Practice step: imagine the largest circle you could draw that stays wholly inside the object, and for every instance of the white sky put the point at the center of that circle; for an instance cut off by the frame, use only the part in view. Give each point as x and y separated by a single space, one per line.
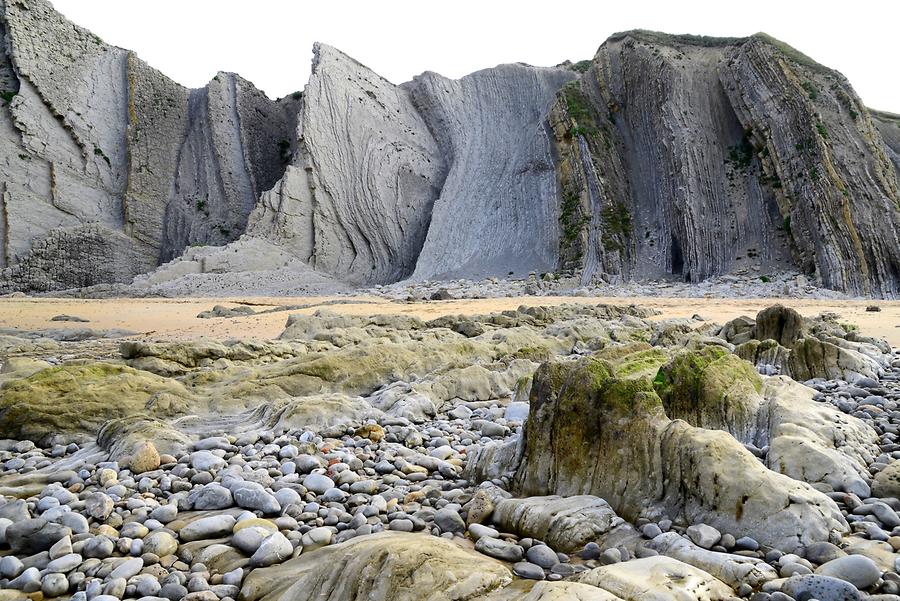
269 41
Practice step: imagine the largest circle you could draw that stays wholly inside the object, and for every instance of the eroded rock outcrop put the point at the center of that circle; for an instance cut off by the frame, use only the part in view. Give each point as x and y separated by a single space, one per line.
781 341
589 432
382 566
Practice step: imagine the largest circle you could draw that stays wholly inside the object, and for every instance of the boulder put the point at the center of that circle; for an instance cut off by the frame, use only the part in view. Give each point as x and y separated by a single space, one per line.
565 523
657 578
380 567
781 324
592 433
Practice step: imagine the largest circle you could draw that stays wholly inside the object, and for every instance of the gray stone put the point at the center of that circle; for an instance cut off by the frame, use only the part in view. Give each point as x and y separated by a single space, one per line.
28 581
173 591
318 483
251 495
206 461
822 552
858 570
524 569
99 547
206 528
160 543
248 539
54 585
542 555
98 505
449 520
274 549
34 535
499 549
10 566
128 568
211 496
65 564
703 536
165 513
822 588
317 537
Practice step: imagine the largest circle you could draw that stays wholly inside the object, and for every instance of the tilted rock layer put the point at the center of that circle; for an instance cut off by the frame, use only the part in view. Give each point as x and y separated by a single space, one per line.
664 156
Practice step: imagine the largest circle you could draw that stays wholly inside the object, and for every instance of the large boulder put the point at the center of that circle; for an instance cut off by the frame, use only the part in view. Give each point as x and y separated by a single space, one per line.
564 523
591 433
779 323
658 578
808 441
814 358
380 567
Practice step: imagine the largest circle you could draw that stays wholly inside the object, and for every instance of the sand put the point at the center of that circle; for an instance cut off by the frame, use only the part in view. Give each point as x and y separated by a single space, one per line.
176 319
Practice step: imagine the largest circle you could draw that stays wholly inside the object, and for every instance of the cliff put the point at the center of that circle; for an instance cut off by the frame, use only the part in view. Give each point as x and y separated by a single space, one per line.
662 157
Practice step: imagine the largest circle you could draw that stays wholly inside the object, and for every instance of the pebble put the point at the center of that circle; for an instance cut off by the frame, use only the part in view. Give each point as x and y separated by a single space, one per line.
317 537
31 536
703 536
205 461
542 555
208 527
127 569
477 531
318 483
821 588
54 585
275 549
524 569
160 543
858 570
499 549
449 520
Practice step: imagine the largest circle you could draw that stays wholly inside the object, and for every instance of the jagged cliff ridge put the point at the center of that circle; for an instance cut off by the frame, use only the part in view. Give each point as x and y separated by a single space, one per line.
665 155
108 166
695 156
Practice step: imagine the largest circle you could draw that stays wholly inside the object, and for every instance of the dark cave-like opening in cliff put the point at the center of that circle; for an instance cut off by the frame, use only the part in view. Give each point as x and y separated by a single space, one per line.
677 257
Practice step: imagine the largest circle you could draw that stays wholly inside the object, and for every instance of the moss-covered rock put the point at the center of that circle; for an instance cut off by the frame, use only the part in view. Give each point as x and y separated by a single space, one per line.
635 359
590 432
712 389
77 398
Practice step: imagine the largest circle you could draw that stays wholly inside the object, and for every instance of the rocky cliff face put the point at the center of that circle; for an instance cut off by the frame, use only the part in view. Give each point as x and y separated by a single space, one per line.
696 156
664 156
109 166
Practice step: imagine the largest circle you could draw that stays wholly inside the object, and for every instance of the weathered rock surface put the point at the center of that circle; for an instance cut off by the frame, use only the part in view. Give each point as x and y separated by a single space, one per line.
781 341
382 566
754 151
496 212
630 453
657 579
111 167
665 156
564 523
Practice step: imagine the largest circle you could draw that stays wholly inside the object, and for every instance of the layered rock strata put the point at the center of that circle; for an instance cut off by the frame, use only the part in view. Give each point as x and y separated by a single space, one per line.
676 157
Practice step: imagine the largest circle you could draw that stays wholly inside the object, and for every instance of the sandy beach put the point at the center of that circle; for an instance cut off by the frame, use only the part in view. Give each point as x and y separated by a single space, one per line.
176 319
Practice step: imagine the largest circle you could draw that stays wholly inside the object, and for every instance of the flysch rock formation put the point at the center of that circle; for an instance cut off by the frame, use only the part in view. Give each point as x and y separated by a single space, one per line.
673 157
109 166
